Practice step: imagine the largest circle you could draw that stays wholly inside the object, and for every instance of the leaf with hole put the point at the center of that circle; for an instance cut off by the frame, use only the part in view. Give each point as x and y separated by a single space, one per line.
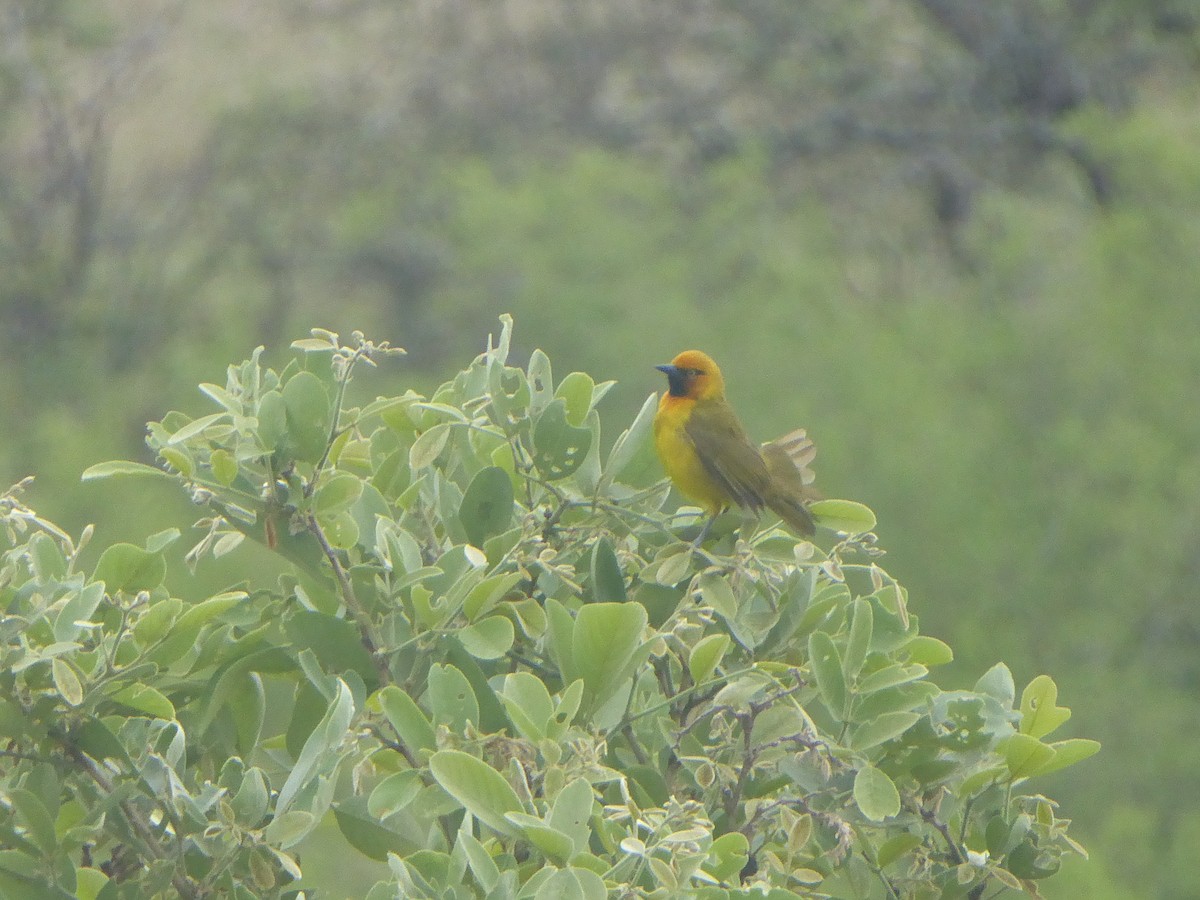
1040 712
559 447
452 699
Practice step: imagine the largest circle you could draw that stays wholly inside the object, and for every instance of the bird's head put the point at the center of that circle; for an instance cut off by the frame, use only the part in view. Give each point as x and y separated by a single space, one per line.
694 375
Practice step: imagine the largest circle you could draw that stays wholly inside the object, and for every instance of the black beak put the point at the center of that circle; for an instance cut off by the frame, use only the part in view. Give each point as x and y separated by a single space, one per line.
676 382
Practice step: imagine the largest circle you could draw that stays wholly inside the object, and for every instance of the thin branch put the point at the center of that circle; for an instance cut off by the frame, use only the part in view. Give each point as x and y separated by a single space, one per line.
183 884
366 628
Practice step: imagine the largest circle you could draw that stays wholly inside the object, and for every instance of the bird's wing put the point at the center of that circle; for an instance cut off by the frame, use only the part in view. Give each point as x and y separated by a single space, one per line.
727 454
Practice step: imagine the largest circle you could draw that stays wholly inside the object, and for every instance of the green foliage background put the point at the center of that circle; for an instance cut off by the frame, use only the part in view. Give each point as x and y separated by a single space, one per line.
1012 395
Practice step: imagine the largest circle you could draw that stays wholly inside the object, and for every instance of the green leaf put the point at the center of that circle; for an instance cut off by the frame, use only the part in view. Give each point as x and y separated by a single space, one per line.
337 643
882 728
307 406
1003 837
76 612
247 705
540 380
365 833
161 540
36 818
66 682
483 866
998 682
289 829
123 468
859 642
317 754
337 494
484 596
46 558
510 395
571 813
426 448
572 883
488 638
272 421
606 638
394 793
715 592
249 804
900 698
875 794
669 570
1039 713
144 698
1024 755
452 699
929 651
527 703
561 629
559 447
607 582
222 397
895 847
156 620
125 567
827 667
89 883
487 505
478 787
890 676
706 656
550 841
728 856
843 515
576 393
491 712
1067 753
195 427
409 722
633 459
96 739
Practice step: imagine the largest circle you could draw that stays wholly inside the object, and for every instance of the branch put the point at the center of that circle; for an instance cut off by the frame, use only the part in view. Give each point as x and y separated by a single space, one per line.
366 628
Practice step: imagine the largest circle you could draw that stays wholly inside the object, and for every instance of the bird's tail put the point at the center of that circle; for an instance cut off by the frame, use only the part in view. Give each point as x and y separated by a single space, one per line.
787 460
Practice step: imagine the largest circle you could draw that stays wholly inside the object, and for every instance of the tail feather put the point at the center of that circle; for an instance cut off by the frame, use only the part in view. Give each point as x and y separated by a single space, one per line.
787 460
799 449
794 512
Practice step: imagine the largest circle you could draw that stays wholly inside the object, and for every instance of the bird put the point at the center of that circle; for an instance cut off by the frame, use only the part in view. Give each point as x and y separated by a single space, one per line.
709 457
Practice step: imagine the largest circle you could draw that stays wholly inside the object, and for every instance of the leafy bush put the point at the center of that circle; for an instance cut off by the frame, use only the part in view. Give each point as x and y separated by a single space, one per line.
498 664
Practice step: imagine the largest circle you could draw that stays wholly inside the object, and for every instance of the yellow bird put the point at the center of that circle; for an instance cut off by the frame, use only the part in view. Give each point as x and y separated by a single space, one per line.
709 457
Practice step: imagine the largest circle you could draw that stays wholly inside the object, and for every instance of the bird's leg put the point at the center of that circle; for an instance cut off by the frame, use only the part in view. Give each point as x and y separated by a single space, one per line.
708 524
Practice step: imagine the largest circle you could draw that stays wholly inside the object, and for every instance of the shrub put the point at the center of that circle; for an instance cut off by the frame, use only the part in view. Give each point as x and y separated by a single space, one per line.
498 664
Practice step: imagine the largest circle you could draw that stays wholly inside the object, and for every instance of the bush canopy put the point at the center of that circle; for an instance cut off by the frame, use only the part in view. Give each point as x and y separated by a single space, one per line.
495 658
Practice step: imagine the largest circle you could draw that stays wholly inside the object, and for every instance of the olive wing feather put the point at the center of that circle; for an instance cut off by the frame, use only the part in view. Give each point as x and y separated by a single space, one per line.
727 454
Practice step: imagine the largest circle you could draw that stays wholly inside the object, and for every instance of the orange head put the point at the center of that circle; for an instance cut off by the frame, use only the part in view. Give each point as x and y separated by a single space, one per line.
694 375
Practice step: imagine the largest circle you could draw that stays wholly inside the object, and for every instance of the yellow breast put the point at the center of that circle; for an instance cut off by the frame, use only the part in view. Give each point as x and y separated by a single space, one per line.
678 455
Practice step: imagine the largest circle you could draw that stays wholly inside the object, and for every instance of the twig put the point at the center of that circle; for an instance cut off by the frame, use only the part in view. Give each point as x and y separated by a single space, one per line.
366 628
182 883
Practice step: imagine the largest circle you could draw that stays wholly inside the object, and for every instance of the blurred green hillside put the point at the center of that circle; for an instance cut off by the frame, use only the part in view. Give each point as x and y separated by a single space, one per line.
957 241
